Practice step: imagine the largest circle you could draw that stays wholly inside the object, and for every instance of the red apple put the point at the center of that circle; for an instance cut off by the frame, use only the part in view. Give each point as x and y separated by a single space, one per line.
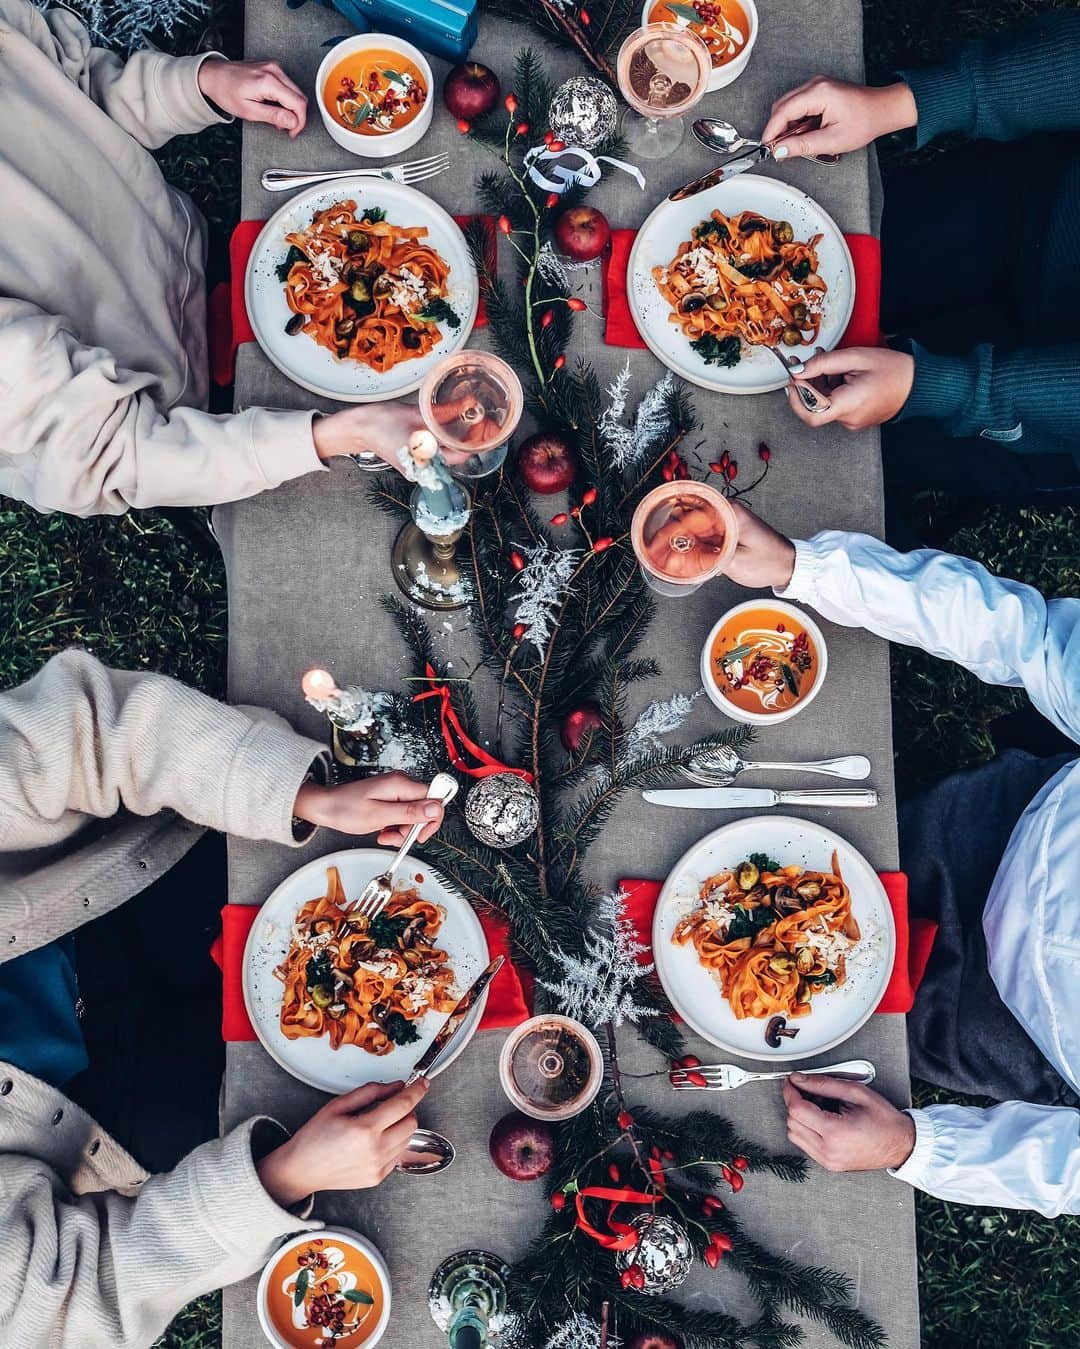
582 233
471 91
653 1339
522 1148
548 463
577 724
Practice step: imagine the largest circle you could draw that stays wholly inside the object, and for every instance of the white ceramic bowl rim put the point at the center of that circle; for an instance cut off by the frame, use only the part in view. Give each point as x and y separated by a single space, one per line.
763 718
346 1234
358 42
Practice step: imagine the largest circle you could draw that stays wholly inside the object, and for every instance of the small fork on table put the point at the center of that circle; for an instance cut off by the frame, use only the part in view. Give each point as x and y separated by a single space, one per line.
726 1076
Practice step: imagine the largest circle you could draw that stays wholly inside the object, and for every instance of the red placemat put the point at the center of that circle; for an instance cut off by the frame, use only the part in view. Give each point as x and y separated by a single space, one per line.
914 938
863 330
228 326
507 1004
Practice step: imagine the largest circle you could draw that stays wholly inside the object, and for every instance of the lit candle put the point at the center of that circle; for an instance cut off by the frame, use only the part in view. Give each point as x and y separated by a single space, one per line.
319 684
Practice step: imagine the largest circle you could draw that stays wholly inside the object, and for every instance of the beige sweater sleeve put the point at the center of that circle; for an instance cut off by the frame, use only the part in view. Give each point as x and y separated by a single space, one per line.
80 740
80 434
104 1269
151 95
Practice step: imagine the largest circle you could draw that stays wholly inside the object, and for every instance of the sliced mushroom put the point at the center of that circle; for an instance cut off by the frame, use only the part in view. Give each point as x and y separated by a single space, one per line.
691 302
781 964
808 889
295 324
778 1029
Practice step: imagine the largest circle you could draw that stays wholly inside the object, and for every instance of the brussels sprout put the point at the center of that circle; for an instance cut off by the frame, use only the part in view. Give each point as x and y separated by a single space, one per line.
783 232
747 875
791 337
358 239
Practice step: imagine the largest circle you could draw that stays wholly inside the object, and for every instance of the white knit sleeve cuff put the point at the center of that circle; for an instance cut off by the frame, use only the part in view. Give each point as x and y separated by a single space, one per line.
269 768
177 85
804 576
283 443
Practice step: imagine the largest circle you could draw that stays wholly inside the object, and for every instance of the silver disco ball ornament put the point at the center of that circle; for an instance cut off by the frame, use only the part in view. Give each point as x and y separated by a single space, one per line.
502 810
663 1253
583 112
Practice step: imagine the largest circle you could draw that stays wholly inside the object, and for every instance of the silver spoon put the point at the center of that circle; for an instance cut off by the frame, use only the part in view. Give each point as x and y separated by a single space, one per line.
427 1153
723 764
807 395
724 139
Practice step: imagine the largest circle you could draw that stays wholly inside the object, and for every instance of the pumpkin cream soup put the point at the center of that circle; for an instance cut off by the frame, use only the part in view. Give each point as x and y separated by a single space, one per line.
763 661
374 92
722 25
325 1292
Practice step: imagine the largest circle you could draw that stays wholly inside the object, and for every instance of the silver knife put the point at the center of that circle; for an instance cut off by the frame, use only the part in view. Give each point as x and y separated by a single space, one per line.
736 164
454 1021
750 798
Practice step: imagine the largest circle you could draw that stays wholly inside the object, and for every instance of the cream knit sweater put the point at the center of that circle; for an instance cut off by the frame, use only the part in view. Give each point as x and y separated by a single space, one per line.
94 1251
103 373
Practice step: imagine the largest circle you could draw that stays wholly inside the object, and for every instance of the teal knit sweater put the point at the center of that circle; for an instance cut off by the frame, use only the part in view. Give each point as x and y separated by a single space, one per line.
1006 87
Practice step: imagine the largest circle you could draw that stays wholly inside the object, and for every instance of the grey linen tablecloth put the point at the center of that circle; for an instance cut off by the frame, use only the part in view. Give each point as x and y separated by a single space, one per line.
306 567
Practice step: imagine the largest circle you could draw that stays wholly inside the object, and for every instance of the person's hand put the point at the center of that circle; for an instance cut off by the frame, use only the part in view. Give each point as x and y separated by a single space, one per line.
869 1134
763 557
866 386
255 91
391 803
373 428
852 115
352 1143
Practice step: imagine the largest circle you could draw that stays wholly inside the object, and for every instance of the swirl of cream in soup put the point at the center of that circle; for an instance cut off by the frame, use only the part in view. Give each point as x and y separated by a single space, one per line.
346 1281
766 642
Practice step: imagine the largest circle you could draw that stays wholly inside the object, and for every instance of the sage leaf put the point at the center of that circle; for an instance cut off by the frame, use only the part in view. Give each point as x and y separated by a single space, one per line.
358 1295
303 1279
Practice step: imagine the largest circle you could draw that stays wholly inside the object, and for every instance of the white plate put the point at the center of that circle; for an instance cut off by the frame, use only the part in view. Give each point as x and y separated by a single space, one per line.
672 221
695 994
300 357
312 1060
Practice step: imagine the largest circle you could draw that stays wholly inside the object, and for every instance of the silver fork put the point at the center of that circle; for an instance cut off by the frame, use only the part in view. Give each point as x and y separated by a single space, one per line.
808 396
288 180
377 893
726 1076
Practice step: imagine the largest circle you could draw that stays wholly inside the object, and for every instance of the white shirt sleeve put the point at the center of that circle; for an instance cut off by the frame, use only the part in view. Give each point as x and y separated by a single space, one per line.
1014 1155
1002 631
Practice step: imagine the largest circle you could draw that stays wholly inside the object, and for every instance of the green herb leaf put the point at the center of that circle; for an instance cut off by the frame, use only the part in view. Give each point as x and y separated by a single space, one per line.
361 113
319 971
789 678
687 12
710 226
736 653
303 1279
400 1029
726 351
825 978
386 929
358 1295
438 311
749 922
395 76
374 215
800 270
292 257
764 862
753 270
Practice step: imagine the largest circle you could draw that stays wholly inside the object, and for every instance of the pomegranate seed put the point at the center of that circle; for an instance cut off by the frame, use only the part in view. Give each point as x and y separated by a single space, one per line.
780 627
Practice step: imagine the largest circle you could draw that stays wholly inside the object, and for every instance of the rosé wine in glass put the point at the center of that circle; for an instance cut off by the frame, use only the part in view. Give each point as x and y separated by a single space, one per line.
683 534
472 403
551 1067
663 72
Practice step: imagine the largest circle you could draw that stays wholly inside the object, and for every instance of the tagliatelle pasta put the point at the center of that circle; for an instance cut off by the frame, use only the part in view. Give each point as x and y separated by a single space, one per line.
365 289
364 982
773 936
743 279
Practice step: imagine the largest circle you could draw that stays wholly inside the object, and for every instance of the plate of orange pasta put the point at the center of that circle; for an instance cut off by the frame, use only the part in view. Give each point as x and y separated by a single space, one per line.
748 264
357 288
340 1000
774 938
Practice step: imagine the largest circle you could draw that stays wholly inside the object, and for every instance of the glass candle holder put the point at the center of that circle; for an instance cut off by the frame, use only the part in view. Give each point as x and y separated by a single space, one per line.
683 534
471 402
551 1067
663 71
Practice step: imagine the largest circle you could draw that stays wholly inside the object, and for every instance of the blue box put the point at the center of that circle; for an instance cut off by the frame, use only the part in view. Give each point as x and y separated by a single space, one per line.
445 28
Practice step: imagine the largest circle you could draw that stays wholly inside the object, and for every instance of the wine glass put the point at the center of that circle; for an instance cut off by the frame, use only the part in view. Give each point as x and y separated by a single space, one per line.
683 534
471 402
663 72
551 1067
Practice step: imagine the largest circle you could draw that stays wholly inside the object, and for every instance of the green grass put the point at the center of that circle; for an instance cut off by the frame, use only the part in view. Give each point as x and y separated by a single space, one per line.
141 594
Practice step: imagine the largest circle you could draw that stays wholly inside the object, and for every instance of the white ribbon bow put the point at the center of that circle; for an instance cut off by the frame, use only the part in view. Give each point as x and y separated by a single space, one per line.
562 178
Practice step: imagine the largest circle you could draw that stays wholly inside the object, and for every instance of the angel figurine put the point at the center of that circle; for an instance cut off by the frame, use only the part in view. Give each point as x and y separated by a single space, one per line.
440 506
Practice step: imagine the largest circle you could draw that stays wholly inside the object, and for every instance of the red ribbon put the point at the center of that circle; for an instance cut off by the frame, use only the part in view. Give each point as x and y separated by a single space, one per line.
620 1236
456 740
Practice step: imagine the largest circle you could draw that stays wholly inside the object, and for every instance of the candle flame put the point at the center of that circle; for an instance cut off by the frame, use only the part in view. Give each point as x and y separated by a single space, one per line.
318 684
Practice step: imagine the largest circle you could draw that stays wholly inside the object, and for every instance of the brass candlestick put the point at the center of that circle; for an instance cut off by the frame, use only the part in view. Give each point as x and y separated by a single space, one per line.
424 558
